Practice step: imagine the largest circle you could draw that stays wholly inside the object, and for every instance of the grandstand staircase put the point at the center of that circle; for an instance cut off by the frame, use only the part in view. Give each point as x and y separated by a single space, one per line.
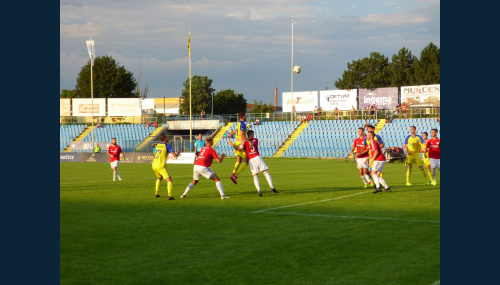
221 132
80 137
291 139
151 137
379 126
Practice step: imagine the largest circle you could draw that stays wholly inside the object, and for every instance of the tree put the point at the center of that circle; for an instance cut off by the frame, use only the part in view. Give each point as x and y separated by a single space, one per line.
258 107
427 68
401 68
109 80
228 102
65 93
369 72
201 95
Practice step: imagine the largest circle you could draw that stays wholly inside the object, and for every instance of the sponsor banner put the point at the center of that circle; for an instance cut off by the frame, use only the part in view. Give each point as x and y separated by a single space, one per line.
342 99
183 158
91 50
382 98
69 156
124 107
65 107
96 157
421 95
148 104
83 107
88 146
197 125
303 101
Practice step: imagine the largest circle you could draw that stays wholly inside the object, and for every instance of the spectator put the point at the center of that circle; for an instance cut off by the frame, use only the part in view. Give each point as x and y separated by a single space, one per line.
404 107
98 125
353 112
438 119
232 133
97 148
364 112
257 121
373 111
309 117
320 111
398 109
336 110
294 111
388 119
202 114
316 110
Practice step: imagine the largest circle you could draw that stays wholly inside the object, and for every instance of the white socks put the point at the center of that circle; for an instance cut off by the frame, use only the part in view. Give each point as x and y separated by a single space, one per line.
382 181
190 186
367 178
256 182
375 179
115 173
363 179
219 187
269 180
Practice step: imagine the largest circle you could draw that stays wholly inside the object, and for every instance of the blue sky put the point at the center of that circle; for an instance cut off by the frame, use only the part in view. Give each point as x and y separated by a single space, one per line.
241 45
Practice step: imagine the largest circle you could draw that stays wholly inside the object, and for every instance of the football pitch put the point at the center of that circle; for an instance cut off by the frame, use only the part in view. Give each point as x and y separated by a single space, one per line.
322 228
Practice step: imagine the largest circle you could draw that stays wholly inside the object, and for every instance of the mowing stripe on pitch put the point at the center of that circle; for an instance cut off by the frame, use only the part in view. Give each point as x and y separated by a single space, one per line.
353 217
314 202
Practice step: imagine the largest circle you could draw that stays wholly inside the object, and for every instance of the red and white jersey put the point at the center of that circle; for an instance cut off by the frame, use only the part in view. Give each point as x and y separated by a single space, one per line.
252 151
205 157
434 146
115 151
374 146
359 144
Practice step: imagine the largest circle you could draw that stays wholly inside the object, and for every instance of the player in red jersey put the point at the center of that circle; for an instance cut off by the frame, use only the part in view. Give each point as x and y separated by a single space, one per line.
361 163
202 168
255 161
114 152
433 147
378 163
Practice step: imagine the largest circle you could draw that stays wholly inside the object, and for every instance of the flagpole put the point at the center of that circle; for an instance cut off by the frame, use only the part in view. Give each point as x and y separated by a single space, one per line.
92 95
190 109
291 114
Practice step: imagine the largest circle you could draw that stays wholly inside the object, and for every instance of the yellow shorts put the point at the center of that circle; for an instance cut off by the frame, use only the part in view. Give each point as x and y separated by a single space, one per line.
161 172
413 161
242 152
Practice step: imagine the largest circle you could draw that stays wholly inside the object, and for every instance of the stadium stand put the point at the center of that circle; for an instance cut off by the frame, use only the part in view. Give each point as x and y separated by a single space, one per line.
329 138
67 133
127 136
395 133
271 136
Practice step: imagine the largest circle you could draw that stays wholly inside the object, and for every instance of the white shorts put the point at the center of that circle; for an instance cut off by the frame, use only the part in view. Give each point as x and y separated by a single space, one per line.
361 163
114 164
378 165
435 163
199 171
257 164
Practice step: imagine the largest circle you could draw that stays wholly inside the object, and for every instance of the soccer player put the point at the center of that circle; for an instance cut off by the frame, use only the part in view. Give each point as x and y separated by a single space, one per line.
199 143
160 157
412 146
256 162
202 168
378 163
425 155
360 158
377 138
114 152
241 158
433 147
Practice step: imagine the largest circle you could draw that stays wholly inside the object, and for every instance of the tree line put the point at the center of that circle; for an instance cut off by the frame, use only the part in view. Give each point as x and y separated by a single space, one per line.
403 70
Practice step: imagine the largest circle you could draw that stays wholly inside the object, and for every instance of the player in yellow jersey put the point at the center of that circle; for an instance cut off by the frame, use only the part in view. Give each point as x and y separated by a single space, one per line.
412 146
241 157
160 158
425 156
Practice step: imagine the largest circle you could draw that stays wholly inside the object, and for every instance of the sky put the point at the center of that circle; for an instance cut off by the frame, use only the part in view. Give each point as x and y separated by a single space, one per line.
245 46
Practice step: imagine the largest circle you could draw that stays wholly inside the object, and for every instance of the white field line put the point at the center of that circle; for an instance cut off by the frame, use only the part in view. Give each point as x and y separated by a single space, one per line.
352 217
437 282
314 202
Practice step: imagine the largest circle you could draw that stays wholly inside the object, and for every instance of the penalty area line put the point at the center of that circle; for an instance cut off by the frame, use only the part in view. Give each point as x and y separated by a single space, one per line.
314 202
353 217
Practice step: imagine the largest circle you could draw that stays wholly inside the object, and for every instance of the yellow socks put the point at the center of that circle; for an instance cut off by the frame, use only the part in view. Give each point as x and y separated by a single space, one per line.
429 172
170 186
408 175
157 186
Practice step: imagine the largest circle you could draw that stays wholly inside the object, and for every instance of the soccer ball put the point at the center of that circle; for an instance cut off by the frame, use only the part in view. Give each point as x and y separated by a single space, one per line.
296 69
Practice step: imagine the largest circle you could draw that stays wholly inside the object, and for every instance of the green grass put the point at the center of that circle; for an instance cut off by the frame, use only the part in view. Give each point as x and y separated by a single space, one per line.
119 233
